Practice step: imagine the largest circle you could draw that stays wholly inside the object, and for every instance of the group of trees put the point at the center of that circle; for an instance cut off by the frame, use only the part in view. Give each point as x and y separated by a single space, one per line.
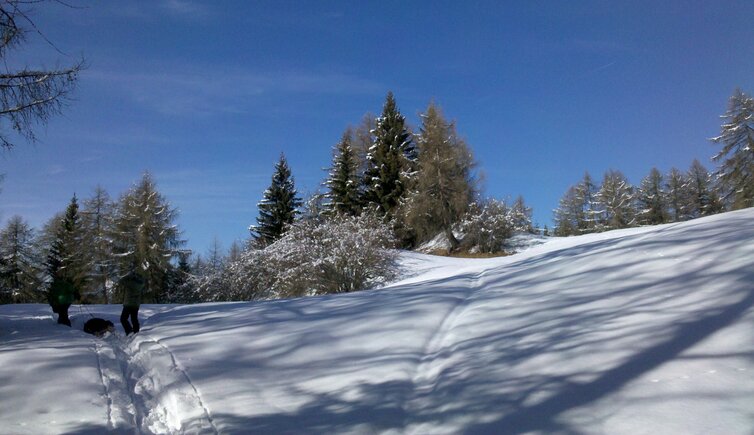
615 204
93 247
420 184
675 196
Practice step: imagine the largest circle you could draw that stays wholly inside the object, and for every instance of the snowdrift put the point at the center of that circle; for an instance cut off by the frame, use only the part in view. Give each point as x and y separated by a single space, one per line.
646 330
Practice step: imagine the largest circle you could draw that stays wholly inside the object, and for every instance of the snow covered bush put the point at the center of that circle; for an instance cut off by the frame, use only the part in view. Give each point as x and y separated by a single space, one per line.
487 226
341 254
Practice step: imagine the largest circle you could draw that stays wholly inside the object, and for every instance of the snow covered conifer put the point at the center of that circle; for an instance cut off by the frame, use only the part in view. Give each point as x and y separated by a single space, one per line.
391 160
702 198
97 223
736 169
444 184
615 199
65 260
279 205
677 196
577 210
343 181
521 216
145 237
20 268
486 226
651 200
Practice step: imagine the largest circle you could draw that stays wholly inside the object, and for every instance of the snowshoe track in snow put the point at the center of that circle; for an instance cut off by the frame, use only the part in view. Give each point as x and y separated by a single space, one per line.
171 403
121 411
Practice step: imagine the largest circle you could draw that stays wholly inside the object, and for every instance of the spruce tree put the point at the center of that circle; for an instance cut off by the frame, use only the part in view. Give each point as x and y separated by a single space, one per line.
577 210
21 267
651 200
736 169
444 182
145 237
343 182
391 160
65 260
278 207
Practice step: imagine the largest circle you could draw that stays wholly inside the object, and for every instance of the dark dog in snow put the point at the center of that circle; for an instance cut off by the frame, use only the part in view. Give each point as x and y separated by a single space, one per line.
98 327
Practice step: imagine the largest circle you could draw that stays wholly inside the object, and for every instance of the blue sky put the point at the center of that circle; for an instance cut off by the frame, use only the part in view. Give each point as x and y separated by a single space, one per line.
206 95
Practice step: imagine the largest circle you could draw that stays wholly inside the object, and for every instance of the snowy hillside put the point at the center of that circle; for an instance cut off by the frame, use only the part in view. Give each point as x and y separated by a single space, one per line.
646 330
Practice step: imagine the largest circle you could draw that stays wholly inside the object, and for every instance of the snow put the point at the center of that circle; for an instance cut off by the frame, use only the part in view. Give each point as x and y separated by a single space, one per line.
644 330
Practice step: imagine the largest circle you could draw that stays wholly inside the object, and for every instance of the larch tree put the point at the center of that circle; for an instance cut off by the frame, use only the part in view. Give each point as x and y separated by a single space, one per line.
145 237
651 200
28 96
444 185
702 197
278 207
391 160
736 157
343 179
616 202
677 196
97 221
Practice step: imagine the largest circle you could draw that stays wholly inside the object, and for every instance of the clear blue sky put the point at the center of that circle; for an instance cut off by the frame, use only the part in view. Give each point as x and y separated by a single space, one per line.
206 95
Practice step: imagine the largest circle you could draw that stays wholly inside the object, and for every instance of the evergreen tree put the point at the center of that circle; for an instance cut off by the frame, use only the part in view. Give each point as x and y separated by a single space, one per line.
278 207
651 200
97 222
21 266
702 198
145 237
342 181
521 215
615 199
391 160
444 184
65 260
577 210
677 196
736 170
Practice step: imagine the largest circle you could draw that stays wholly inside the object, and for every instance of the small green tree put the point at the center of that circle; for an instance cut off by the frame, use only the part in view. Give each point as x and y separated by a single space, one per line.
279 205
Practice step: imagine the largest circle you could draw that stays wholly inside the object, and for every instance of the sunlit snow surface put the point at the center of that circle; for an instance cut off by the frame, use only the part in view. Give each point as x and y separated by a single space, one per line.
647 330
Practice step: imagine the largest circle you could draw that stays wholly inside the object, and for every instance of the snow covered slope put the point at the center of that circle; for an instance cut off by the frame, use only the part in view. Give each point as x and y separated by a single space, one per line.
647 330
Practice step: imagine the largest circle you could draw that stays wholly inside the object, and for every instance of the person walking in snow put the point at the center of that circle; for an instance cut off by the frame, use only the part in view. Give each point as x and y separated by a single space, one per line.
61 295
132 286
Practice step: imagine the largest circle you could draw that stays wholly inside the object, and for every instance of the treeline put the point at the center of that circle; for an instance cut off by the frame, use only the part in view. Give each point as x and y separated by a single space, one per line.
93 246
672 197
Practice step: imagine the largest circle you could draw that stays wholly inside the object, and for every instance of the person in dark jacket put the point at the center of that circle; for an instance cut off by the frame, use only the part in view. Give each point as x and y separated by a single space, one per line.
61 295
132 286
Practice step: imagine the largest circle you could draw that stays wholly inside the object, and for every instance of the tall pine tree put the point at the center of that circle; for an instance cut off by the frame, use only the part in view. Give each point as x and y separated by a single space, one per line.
677 196
278 207
21 267
97 221
65 260
343 181
702 198
736 170
391 160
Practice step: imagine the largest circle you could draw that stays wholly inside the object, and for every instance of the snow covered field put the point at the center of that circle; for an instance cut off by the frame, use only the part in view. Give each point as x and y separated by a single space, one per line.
647 330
